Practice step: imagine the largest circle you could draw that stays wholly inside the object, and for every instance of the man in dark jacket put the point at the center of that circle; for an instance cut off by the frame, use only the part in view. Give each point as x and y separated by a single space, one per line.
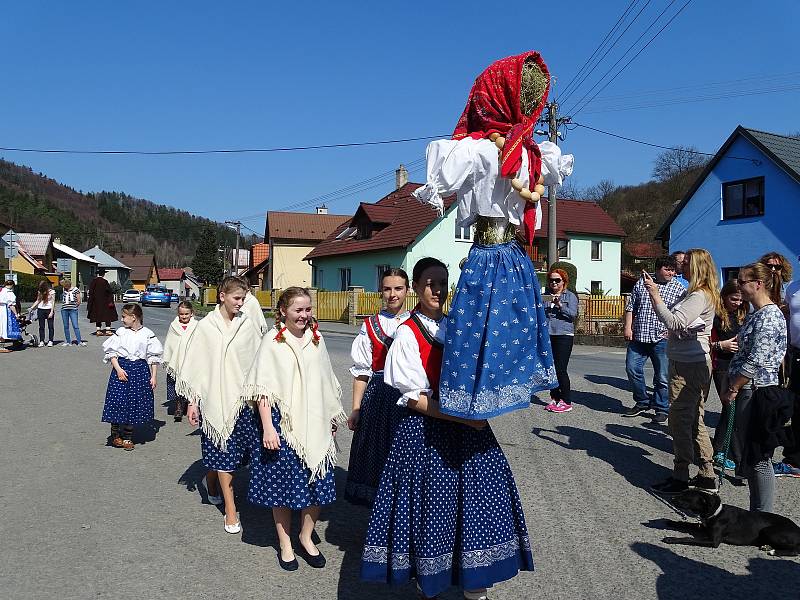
100 305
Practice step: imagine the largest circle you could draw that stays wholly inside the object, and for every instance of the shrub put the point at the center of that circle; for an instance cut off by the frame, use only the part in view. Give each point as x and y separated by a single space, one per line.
28 286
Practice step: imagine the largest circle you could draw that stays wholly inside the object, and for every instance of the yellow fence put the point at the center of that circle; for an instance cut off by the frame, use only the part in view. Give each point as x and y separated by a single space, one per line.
605 307
264 298
332 306
371 302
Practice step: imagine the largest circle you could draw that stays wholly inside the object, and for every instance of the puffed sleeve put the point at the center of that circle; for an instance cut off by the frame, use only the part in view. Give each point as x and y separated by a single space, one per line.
555 166
112 346
449 164
155 351
403 370
361 353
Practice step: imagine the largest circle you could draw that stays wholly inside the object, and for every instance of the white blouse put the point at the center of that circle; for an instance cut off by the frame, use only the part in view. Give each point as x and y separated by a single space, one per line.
361 350
7 297
141 344
404 370
471 169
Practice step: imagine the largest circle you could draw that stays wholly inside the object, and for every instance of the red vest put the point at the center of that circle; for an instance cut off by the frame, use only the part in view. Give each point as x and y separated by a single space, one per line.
430 351
380 342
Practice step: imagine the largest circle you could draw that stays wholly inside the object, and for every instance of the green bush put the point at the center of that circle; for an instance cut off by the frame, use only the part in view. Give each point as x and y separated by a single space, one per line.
27 286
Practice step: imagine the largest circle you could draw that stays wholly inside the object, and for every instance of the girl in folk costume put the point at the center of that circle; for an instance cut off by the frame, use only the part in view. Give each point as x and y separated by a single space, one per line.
252 308
497 351
447 510
299 401
375 416
218 356
9 325
134 351
178 336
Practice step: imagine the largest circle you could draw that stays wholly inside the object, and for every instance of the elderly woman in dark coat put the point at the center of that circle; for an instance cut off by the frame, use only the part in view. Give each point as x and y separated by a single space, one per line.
100 305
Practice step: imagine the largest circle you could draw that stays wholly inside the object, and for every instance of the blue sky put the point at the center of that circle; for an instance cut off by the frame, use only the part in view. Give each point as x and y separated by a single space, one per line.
203 75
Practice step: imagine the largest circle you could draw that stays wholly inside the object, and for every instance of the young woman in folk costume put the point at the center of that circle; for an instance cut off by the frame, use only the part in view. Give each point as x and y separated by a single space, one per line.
497 351
375 416
218 356
447 510
299 402
178 336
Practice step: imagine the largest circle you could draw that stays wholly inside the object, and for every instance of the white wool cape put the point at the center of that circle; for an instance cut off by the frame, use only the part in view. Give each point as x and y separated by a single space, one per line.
296 376
252 308
175 346
217 360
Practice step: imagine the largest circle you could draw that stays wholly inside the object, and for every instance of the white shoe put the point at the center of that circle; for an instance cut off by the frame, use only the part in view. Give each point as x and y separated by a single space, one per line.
215 500
235 528
41 344
65 344
82 344
50 344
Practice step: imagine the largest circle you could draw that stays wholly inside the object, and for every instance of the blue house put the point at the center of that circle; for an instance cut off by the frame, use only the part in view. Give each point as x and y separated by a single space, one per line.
744 204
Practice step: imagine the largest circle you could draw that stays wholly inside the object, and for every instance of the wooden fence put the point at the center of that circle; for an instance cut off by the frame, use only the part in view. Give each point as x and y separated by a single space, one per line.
371 302
603 313
332 306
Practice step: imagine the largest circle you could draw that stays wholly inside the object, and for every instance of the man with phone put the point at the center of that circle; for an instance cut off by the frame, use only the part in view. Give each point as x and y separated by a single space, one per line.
647 339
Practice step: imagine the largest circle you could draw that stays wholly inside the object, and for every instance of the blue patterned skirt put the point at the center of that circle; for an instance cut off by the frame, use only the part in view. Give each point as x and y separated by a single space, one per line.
380 416
447 511
279 478
239 447
129 402
497 348
12 326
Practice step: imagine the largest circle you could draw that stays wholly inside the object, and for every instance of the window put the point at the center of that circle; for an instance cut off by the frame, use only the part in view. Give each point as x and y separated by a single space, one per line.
729 273
464 233
344 279
744 198
563 248
316 278
597 250
597 288
379 271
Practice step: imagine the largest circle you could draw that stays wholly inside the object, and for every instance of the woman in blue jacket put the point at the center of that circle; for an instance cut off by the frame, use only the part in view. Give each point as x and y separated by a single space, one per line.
561 314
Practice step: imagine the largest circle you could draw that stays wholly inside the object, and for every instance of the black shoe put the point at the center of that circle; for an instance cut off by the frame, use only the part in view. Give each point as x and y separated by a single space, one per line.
704 484
634 411
660 418
177 418
290 565
317 561
670 487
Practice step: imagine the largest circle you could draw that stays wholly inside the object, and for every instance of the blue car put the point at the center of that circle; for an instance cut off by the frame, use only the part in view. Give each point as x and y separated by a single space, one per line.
174 297
156 296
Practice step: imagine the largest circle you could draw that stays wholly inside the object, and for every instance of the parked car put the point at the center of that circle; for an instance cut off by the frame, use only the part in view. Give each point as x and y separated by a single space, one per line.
157 296
174 297
132 296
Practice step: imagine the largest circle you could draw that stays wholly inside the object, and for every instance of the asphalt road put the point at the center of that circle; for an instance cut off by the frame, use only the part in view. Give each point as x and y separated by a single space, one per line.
84 520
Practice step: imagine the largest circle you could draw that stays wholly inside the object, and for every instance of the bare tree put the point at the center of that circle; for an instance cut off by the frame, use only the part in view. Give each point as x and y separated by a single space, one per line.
569 190
677 161
600 192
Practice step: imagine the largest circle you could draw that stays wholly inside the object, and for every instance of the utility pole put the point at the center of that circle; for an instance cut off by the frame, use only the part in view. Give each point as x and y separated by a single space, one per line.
235 261
553 122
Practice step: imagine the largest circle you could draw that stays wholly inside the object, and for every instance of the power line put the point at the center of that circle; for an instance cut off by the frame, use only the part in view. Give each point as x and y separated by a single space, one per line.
222 151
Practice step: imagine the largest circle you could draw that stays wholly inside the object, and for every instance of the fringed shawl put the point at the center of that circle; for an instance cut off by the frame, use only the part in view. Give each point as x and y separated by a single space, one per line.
217 360
295 375
175 345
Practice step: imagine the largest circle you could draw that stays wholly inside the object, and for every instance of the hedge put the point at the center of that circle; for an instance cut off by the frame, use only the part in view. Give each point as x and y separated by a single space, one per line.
28 286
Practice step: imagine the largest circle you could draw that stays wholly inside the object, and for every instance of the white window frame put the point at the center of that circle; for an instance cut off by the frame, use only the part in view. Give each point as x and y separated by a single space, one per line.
599 249
592 288
463 234
379 271
568 248
344 278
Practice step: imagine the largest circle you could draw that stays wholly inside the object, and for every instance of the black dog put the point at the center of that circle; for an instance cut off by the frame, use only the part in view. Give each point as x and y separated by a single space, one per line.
733 525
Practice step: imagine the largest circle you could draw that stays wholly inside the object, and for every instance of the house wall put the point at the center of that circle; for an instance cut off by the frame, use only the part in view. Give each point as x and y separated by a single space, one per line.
173 285
288 267
20 265
438 240
606 270
363 268
737 242
118 276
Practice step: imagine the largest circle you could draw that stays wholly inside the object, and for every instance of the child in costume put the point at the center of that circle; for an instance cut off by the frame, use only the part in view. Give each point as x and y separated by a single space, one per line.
178 336
375 416
135 352
299 402
447 510
9 325
218 356
497 352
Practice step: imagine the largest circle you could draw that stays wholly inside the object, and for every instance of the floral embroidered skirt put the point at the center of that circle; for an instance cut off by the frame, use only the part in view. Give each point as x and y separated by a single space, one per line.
447 511
279 478
239 448
380 416
497 348
129 402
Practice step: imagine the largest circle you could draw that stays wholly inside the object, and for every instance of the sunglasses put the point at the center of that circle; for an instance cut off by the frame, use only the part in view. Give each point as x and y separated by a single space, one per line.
743 281
776 267
554 280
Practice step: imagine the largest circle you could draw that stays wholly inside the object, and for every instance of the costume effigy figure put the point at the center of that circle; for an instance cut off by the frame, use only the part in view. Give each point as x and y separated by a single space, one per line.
497 351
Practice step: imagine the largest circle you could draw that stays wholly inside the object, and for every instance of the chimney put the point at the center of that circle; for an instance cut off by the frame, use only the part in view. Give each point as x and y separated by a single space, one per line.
401 177
322 210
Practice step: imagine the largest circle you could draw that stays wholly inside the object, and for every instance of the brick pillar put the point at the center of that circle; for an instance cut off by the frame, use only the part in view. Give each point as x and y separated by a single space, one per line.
313 293
354 291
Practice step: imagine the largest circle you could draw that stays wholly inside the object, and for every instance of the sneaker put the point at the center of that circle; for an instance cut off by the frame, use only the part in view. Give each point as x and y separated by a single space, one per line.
82 344
50 344
65 345
561 407
634 411
41 344
660 418
719 458
783 469
551 405
704 484
670 487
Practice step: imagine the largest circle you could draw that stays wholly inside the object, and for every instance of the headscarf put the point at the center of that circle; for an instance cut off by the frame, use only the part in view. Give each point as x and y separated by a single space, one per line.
494 106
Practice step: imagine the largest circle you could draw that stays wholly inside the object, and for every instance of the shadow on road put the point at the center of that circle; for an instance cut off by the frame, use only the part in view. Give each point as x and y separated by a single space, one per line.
616 382
648 434
684 577
598 402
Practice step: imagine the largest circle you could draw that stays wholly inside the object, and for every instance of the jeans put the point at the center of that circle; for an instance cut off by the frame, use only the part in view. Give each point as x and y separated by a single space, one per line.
43 315
688 390
70 315
637 355
562 350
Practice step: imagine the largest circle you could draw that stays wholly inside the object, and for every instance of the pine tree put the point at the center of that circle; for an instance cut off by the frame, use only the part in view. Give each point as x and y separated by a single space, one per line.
206 264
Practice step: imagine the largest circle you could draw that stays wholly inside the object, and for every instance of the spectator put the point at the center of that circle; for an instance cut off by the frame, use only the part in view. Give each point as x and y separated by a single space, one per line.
723 345
762 346
561 314
790 466
45 306
70 301
647 338
689 323
781 272
100 305
9 326
679 256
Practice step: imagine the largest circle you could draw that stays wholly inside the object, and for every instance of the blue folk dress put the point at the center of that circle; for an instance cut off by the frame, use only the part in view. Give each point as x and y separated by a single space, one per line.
497 351
379 413
447 512
131 402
